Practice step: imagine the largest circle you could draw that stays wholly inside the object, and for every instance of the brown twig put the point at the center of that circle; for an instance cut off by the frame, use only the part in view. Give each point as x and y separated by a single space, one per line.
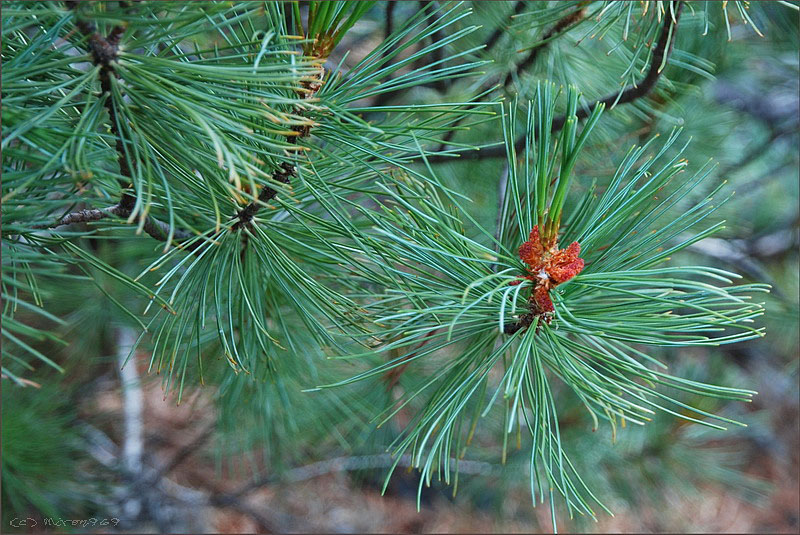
559 27
661 53
286 169
562 25
498 32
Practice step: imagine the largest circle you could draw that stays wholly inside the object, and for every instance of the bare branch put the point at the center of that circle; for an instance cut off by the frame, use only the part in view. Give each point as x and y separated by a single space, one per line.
155 228
343 464
184 452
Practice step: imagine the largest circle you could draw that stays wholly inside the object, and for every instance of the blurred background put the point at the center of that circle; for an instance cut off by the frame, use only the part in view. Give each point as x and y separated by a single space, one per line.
215 463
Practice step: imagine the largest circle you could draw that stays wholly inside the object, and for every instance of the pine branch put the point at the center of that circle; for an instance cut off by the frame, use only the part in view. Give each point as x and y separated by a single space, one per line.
283 175
286 169
658 61
664 46
104 52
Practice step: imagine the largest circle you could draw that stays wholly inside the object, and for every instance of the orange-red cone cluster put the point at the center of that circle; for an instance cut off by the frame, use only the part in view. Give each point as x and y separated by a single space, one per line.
548 266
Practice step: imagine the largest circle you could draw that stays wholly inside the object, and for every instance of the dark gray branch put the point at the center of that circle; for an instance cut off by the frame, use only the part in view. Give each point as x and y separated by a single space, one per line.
104 52
341 464
246 215
153 227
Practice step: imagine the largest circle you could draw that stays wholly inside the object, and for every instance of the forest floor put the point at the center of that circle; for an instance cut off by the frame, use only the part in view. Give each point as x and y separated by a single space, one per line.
336 501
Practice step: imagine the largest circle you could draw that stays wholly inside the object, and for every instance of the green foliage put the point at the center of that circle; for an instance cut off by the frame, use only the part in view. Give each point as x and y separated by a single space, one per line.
43 459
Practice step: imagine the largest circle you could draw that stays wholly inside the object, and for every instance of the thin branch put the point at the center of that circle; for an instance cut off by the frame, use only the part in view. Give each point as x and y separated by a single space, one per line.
657 64
286 169
658 61
104 51
155 228
389 28
382 99
561 26
342 464
162 489
81 216
498 32
184 452
150 478
246 215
